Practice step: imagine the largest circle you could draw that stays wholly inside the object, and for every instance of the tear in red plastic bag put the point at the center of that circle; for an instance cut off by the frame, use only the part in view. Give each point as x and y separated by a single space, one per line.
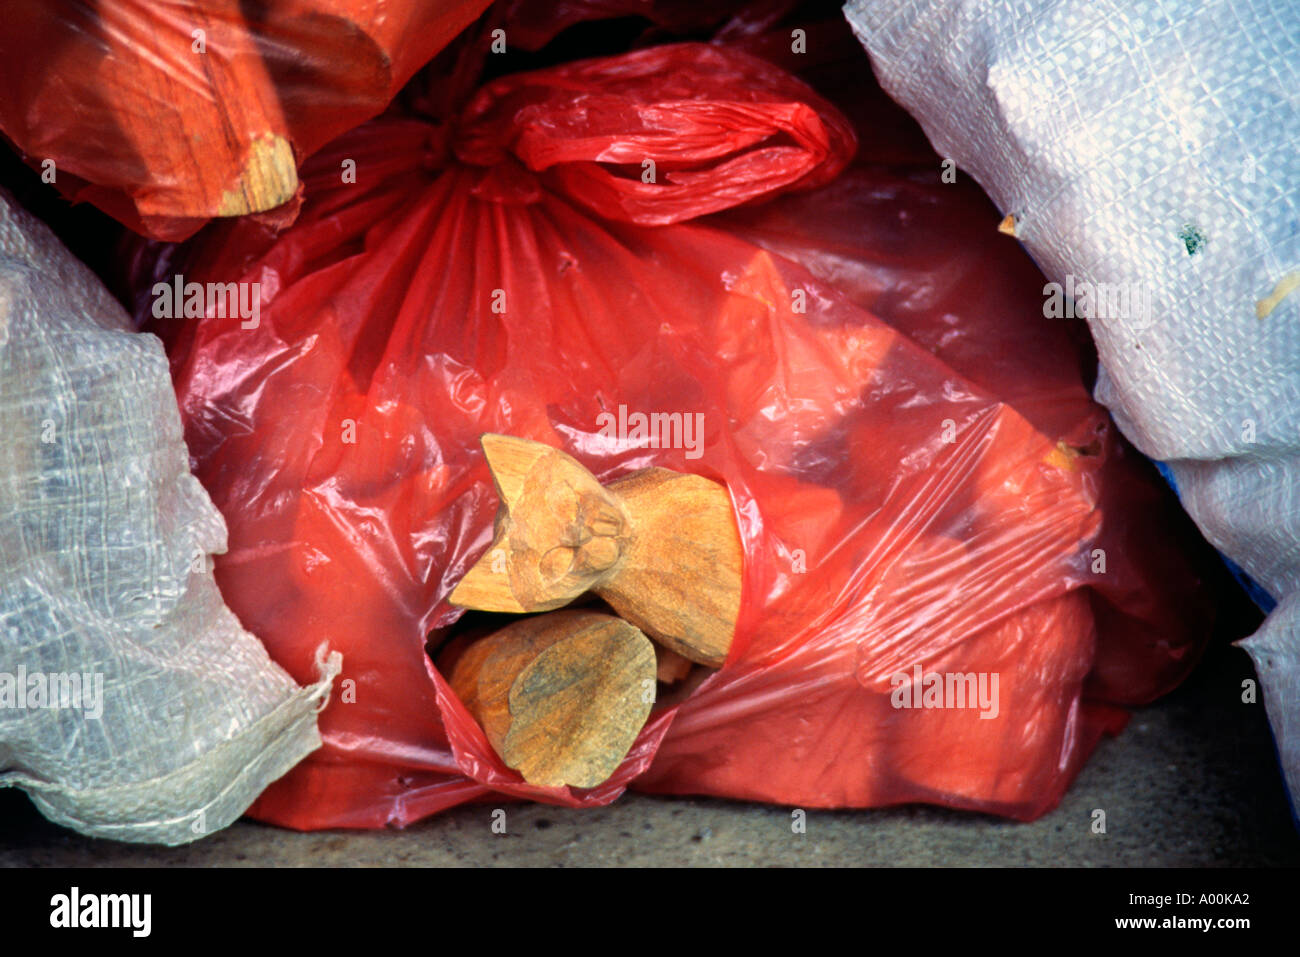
922 484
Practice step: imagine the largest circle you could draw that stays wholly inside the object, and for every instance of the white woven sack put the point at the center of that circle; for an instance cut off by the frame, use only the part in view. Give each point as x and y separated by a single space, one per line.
132 704
1150 145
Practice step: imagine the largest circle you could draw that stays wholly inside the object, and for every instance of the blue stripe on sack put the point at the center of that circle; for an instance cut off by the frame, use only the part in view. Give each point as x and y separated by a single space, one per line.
1258 595
1266 603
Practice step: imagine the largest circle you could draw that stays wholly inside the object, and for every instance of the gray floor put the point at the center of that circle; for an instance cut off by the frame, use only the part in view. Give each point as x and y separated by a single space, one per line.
1191 782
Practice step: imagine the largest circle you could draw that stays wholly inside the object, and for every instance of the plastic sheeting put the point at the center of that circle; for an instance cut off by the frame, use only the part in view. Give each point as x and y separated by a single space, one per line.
920 479
167 112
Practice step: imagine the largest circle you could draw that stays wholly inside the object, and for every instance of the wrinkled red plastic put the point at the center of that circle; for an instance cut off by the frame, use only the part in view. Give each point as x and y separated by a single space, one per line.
918 473
148 109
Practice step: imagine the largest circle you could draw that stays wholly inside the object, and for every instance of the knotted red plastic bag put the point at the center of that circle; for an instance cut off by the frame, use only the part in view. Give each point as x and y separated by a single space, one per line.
911 501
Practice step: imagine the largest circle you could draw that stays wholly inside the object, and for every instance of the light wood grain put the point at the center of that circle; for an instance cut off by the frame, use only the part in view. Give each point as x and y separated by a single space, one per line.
562 696
661 547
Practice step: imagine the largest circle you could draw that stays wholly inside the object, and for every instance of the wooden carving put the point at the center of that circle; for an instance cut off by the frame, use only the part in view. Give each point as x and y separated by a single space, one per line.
661 547
560 696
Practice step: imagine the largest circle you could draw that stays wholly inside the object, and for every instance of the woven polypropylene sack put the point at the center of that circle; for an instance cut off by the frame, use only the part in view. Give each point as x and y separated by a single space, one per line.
177 718
1153 144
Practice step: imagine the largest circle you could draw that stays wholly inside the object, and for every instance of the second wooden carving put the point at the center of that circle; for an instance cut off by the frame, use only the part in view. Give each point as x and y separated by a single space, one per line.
562 696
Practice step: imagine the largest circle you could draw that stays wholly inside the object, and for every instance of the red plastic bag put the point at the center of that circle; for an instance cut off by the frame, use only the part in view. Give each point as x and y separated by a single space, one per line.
164 114
919 477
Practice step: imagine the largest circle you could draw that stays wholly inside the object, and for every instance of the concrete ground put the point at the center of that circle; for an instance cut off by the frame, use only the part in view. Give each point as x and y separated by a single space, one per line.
1191 782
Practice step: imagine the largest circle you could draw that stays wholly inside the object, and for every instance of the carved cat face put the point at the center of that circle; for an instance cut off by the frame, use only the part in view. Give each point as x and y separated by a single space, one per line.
558 532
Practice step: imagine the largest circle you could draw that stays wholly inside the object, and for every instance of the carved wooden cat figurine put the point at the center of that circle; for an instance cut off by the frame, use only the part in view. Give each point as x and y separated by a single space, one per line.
661 547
